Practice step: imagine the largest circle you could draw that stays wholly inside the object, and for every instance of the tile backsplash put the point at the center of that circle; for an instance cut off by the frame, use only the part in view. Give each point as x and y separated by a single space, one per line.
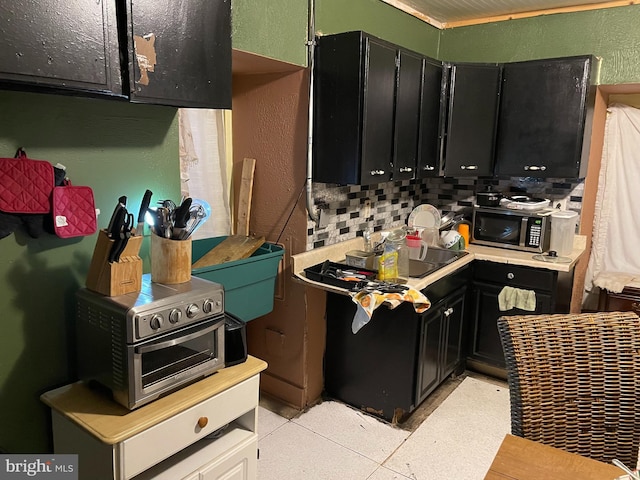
346 211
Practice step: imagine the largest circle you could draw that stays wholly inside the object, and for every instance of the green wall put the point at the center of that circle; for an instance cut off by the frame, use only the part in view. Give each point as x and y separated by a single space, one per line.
278 28
379 19
117 149
272 28
611 34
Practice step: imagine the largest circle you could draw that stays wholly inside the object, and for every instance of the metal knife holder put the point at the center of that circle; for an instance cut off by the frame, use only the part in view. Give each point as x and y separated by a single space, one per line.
115 278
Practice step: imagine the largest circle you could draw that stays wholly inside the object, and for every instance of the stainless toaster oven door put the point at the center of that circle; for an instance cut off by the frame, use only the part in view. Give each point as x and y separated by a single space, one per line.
166 362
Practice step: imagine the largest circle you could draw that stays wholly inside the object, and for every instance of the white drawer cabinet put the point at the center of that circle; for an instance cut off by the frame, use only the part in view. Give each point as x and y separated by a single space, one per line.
204 431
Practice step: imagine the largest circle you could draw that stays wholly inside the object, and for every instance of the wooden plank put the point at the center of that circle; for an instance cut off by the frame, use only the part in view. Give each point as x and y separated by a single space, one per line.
537 13
244 198
234 247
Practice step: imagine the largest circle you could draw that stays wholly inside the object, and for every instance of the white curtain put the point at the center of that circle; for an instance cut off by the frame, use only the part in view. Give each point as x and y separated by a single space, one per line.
614 261
205 165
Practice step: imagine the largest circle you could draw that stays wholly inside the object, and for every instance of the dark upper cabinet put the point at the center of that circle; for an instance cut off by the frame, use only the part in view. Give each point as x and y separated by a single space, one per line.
376 111
407 110
471 119
545 118
164 52
354 96
179 52
61 45
431 125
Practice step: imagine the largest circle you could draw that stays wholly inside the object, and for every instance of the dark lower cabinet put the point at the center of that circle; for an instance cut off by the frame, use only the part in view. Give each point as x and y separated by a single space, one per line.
395 361
441 347
489 279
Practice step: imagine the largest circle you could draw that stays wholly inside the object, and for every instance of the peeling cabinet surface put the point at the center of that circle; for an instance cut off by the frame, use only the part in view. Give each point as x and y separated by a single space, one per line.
145 56
70 45
180 52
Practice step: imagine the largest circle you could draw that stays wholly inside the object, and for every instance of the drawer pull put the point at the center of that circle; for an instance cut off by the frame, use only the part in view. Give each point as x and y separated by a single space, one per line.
510 276
202 422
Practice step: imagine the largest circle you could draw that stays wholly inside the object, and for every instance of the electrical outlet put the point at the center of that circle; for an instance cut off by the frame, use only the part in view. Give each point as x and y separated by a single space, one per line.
367 210
323 219
560 203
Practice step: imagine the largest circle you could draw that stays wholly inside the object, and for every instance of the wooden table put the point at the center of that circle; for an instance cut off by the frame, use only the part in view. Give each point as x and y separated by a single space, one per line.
521 459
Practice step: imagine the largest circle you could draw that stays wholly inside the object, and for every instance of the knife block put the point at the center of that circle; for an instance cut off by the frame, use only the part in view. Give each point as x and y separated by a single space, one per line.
116 278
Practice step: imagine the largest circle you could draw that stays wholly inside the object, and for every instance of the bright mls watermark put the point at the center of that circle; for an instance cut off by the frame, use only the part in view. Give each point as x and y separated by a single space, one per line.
50 467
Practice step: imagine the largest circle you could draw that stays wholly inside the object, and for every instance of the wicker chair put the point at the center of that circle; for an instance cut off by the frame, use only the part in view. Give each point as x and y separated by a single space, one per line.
574 381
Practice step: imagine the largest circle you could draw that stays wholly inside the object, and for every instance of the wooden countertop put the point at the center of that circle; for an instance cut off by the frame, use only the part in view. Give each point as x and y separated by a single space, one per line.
521 459
112 423
336 253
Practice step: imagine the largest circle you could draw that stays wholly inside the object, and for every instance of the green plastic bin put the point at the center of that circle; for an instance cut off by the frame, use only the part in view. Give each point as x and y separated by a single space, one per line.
249 284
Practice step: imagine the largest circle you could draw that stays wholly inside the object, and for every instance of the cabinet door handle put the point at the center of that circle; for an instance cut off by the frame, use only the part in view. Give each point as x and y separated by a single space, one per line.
377 172
511 276
535 167
406 169
468 167
448 311
202 422
428 168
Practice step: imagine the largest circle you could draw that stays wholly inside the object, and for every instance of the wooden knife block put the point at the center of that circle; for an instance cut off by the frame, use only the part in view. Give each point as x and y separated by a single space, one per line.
170 260
116 278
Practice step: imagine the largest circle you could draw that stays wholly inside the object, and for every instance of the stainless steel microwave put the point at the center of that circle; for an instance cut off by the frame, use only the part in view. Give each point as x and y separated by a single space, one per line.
524 230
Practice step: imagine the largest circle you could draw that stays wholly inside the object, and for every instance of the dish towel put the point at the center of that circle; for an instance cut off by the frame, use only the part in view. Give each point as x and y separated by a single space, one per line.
511 297
367 301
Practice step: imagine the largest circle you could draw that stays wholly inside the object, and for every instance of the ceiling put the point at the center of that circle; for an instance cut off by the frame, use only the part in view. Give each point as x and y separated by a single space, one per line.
454 13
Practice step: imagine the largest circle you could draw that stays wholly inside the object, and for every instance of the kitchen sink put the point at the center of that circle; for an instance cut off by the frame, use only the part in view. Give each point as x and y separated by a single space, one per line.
435 259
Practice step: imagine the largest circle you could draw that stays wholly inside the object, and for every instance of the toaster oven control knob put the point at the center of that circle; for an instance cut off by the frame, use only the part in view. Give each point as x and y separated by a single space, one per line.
174 315
156 321
207 306
192 310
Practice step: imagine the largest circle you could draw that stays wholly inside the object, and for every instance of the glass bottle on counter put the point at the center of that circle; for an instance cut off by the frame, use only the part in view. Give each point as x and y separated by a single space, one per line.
394 261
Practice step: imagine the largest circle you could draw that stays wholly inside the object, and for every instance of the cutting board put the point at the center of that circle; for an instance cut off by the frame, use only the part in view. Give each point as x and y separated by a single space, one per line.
234 247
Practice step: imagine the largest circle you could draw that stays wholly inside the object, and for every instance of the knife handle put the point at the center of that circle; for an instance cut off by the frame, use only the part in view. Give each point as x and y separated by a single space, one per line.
144 206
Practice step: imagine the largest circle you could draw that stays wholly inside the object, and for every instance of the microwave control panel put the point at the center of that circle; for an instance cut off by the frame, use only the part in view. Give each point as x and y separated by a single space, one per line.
534 233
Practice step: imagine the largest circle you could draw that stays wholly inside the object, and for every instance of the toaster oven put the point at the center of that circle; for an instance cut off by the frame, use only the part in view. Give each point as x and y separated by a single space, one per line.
146 344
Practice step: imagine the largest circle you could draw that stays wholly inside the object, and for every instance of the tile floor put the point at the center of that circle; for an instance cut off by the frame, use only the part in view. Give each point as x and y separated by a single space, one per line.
457 438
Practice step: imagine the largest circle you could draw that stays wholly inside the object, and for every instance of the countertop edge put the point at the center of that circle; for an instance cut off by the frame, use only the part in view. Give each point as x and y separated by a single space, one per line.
336 253
105 419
